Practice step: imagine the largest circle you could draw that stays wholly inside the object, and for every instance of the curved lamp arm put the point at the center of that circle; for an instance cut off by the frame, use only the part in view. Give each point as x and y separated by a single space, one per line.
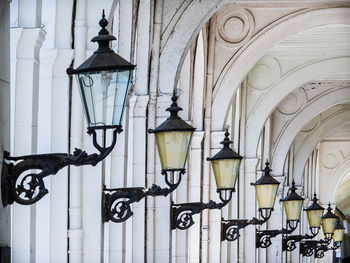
230 228
116 202
20 184
315 247
181 215
289 242
263 237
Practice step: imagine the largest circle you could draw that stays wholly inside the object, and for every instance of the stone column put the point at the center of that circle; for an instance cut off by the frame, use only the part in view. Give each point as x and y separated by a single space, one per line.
247 209
5 212
139 173
60 99
122 26
274 252
194 184
25 133
42 240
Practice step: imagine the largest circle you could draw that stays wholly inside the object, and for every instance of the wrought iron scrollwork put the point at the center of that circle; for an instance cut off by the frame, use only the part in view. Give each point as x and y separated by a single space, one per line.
116 202
263 237
22 176
181 215
308 247
289 242
230 228
289 245
316 247
323 247
319 253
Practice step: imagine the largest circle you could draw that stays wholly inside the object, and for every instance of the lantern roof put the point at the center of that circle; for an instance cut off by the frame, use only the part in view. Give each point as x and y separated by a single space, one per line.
174 122
339 225
104 58
314 205
329 213
266 177
226 152
292 196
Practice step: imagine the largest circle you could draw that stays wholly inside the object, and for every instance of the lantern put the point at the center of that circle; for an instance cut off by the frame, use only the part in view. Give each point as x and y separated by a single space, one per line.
226 165
292 205
173 138
338 232
328 222
104 82
314 215
266 189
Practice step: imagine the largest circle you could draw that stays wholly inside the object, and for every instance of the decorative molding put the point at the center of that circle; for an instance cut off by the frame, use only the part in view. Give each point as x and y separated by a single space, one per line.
292 103
235 27
306 142
300 102
264 73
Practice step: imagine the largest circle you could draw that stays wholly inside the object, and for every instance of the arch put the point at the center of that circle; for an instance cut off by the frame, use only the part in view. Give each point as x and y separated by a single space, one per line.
341 185
192 20
314 107
281 89
238 67
310 143
337 179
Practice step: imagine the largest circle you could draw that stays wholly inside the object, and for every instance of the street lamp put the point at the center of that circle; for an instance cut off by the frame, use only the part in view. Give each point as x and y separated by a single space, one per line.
319 247
226 169
266 191
292 204
338 232
226 166
328 222
173 138
104 81
314 214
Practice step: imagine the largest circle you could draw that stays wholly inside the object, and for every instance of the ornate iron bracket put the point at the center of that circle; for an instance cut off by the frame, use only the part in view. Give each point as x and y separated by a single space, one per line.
315 247
22 182
181 215
116 202
230 228
289 242
263 237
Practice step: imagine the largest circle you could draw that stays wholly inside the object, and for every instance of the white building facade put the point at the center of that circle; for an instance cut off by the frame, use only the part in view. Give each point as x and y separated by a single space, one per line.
276 73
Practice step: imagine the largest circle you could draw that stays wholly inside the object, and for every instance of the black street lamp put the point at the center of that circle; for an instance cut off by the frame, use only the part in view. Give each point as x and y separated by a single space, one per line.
266 191
338 232
173 138
319 247
104 81
293 204
328 223
226 169
314 215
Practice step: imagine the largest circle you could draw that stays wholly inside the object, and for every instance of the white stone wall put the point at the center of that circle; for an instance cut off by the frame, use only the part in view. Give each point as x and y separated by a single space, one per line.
230 68
5 213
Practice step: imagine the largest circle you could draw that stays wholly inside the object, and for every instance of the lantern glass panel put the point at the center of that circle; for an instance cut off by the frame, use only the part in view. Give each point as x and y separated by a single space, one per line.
225 172
328 225
293 209
104 95
266 195
338 235
173 148
314 217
